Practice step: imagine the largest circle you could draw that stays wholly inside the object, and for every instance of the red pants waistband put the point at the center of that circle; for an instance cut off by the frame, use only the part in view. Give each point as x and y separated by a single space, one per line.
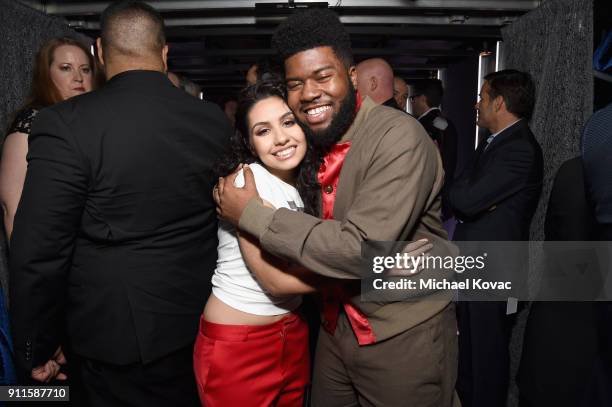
238 333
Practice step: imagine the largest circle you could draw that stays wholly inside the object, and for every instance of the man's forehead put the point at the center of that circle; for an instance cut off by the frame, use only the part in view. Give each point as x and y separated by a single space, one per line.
312 60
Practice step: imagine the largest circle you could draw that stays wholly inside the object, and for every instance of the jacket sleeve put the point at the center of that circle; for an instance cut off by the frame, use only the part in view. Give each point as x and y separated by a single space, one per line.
401 180
449 153
506 174
42 243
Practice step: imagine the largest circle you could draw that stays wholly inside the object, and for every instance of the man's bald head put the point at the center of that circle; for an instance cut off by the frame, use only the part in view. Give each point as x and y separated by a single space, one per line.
375 79
132 29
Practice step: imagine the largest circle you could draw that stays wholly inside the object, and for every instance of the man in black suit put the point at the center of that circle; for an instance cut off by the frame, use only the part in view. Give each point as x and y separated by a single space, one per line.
597 150
115 236
495 199
425 100
549 375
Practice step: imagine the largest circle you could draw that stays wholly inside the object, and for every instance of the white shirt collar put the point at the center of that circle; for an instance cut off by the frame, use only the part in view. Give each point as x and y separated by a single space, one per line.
430 109
492 136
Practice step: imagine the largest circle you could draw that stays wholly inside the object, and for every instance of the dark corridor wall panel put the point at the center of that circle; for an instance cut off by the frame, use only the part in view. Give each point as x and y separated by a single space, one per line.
461 81
554 44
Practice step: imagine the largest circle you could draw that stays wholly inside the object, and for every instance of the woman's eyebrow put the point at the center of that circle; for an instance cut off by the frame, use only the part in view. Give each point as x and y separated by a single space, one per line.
259 124
288 113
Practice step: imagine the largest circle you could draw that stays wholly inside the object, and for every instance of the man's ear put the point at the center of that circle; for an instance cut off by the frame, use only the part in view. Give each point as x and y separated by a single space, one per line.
99 49
165 57
373 83
352 73
498 103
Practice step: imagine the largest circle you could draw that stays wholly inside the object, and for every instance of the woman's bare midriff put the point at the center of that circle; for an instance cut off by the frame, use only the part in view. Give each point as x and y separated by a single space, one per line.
218 312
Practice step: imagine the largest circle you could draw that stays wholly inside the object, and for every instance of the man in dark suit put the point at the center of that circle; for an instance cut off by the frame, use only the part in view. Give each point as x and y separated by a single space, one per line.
549 375
400 93
115 236
597 149
425 100
495 199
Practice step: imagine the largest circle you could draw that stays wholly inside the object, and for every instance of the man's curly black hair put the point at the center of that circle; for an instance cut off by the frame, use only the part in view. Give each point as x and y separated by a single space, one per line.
311 29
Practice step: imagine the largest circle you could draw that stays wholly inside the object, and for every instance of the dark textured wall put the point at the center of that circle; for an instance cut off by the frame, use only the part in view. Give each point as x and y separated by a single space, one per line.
22 32
554 44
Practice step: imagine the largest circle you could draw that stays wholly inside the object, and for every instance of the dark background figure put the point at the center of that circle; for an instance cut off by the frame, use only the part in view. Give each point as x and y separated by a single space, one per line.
229 108
185 84
8 375
495 199
560 342
251 75
115 236
263 70
400 92
174 78
425 99
596 151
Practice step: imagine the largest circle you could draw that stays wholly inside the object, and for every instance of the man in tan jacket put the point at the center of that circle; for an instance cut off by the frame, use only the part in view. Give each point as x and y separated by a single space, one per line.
369 353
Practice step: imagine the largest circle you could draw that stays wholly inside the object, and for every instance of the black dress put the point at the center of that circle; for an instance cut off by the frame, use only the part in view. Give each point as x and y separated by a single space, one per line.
23 121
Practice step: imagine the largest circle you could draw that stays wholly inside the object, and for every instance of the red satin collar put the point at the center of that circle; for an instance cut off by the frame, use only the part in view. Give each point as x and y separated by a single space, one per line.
335 296
328 176
329 172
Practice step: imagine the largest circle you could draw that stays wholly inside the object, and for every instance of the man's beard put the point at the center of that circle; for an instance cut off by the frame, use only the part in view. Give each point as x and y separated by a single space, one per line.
322 140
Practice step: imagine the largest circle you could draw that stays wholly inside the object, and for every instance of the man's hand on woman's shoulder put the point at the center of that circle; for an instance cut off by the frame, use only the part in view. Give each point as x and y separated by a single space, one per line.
232 200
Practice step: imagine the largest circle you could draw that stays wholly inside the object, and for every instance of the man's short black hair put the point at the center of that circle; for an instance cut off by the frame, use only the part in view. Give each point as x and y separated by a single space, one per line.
516 88
132 28
311 29
432 90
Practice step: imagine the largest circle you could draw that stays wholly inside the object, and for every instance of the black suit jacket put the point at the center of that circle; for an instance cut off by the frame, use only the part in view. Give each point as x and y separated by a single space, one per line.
549 375
496 196
391 102
446 140
115 237
569 215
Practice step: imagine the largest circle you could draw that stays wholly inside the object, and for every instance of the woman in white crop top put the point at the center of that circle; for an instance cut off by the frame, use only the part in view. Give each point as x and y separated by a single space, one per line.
252 348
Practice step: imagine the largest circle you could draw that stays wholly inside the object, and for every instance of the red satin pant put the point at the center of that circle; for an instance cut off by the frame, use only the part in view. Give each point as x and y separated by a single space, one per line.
252 366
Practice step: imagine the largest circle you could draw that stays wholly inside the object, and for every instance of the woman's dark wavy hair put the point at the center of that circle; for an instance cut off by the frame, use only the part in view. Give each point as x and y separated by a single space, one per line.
241 151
